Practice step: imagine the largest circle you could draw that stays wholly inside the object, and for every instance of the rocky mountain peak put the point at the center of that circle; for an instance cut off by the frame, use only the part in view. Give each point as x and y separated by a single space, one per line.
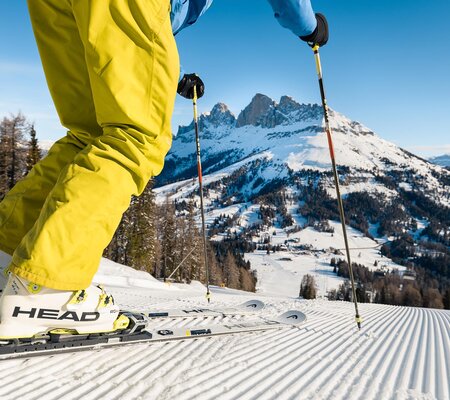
267 113
220 115
262 111
288 104
220 108
258 107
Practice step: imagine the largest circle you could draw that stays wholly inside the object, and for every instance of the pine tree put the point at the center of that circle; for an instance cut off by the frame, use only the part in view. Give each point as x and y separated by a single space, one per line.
135 242
215 271
308 287
446 299
13 151
117 248
393 295
141 249
195 265
432 298
412 297
34 152
247 280
168 238
231 272
157 266
181 252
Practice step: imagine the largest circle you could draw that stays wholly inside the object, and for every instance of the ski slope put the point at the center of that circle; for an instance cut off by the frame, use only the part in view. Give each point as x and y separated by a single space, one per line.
400 353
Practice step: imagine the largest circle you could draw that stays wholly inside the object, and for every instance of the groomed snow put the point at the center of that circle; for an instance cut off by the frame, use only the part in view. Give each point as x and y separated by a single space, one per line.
400 353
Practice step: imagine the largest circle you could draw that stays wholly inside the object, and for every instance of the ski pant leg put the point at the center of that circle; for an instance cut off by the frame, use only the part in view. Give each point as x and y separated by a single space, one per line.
133 68
72 96
22 205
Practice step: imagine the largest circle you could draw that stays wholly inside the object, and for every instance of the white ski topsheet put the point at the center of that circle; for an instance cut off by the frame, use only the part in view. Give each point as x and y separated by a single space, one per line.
247 308
400 353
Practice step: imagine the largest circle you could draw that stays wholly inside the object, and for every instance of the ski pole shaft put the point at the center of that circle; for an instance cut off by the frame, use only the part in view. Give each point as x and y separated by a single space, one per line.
200 184
336 179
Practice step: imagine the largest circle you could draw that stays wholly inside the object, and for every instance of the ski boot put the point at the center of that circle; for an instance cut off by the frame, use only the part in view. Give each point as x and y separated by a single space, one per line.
28 310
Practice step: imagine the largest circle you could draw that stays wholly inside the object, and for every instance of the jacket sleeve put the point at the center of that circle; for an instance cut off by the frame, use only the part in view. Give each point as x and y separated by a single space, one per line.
295 15
186 12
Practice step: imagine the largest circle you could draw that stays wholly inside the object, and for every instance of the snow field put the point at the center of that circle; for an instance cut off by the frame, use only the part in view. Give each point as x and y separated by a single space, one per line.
285 270
363 250
400 353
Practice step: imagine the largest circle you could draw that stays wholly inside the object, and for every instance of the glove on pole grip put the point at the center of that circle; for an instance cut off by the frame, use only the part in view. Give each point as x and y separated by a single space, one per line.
188 83
320 35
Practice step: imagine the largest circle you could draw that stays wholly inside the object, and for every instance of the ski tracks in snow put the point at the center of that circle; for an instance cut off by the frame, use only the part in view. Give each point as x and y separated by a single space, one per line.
400 353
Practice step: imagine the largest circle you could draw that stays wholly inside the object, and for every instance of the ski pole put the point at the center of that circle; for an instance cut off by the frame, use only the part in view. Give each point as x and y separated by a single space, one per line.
336 179
181 263
200 184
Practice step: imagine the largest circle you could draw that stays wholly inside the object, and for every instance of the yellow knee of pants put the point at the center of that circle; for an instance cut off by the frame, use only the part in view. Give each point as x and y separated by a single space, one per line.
112 69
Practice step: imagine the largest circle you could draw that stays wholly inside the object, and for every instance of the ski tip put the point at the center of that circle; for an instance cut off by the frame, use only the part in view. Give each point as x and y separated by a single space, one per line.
292 317
253 305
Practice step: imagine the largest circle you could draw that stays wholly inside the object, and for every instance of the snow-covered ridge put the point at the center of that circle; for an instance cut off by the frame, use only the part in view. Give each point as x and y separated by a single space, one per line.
292 136
289 129
296 138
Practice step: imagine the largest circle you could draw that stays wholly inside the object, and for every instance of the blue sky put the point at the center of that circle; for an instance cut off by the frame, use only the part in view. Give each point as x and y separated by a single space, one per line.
387 65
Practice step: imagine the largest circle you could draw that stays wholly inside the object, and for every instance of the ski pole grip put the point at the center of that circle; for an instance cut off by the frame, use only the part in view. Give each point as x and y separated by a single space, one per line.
194 100
195 93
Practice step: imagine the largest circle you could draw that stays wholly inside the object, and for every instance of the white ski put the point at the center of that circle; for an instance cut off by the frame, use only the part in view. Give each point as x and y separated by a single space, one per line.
63 343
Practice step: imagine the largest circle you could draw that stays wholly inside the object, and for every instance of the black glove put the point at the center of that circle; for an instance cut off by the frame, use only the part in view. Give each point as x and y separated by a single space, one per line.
186 86
320 34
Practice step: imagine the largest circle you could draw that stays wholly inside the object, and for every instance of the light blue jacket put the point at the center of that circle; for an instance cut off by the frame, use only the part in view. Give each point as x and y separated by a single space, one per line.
295 15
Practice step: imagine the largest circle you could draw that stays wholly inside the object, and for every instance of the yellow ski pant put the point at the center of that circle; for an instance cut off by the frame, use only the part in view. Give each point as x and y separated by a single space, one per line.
112 69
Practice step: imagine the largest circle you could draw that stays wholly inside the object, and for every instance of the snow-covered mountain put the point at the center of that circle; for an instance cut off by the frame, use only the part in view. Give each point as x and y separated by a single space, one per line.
270 140
443 161
274 155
